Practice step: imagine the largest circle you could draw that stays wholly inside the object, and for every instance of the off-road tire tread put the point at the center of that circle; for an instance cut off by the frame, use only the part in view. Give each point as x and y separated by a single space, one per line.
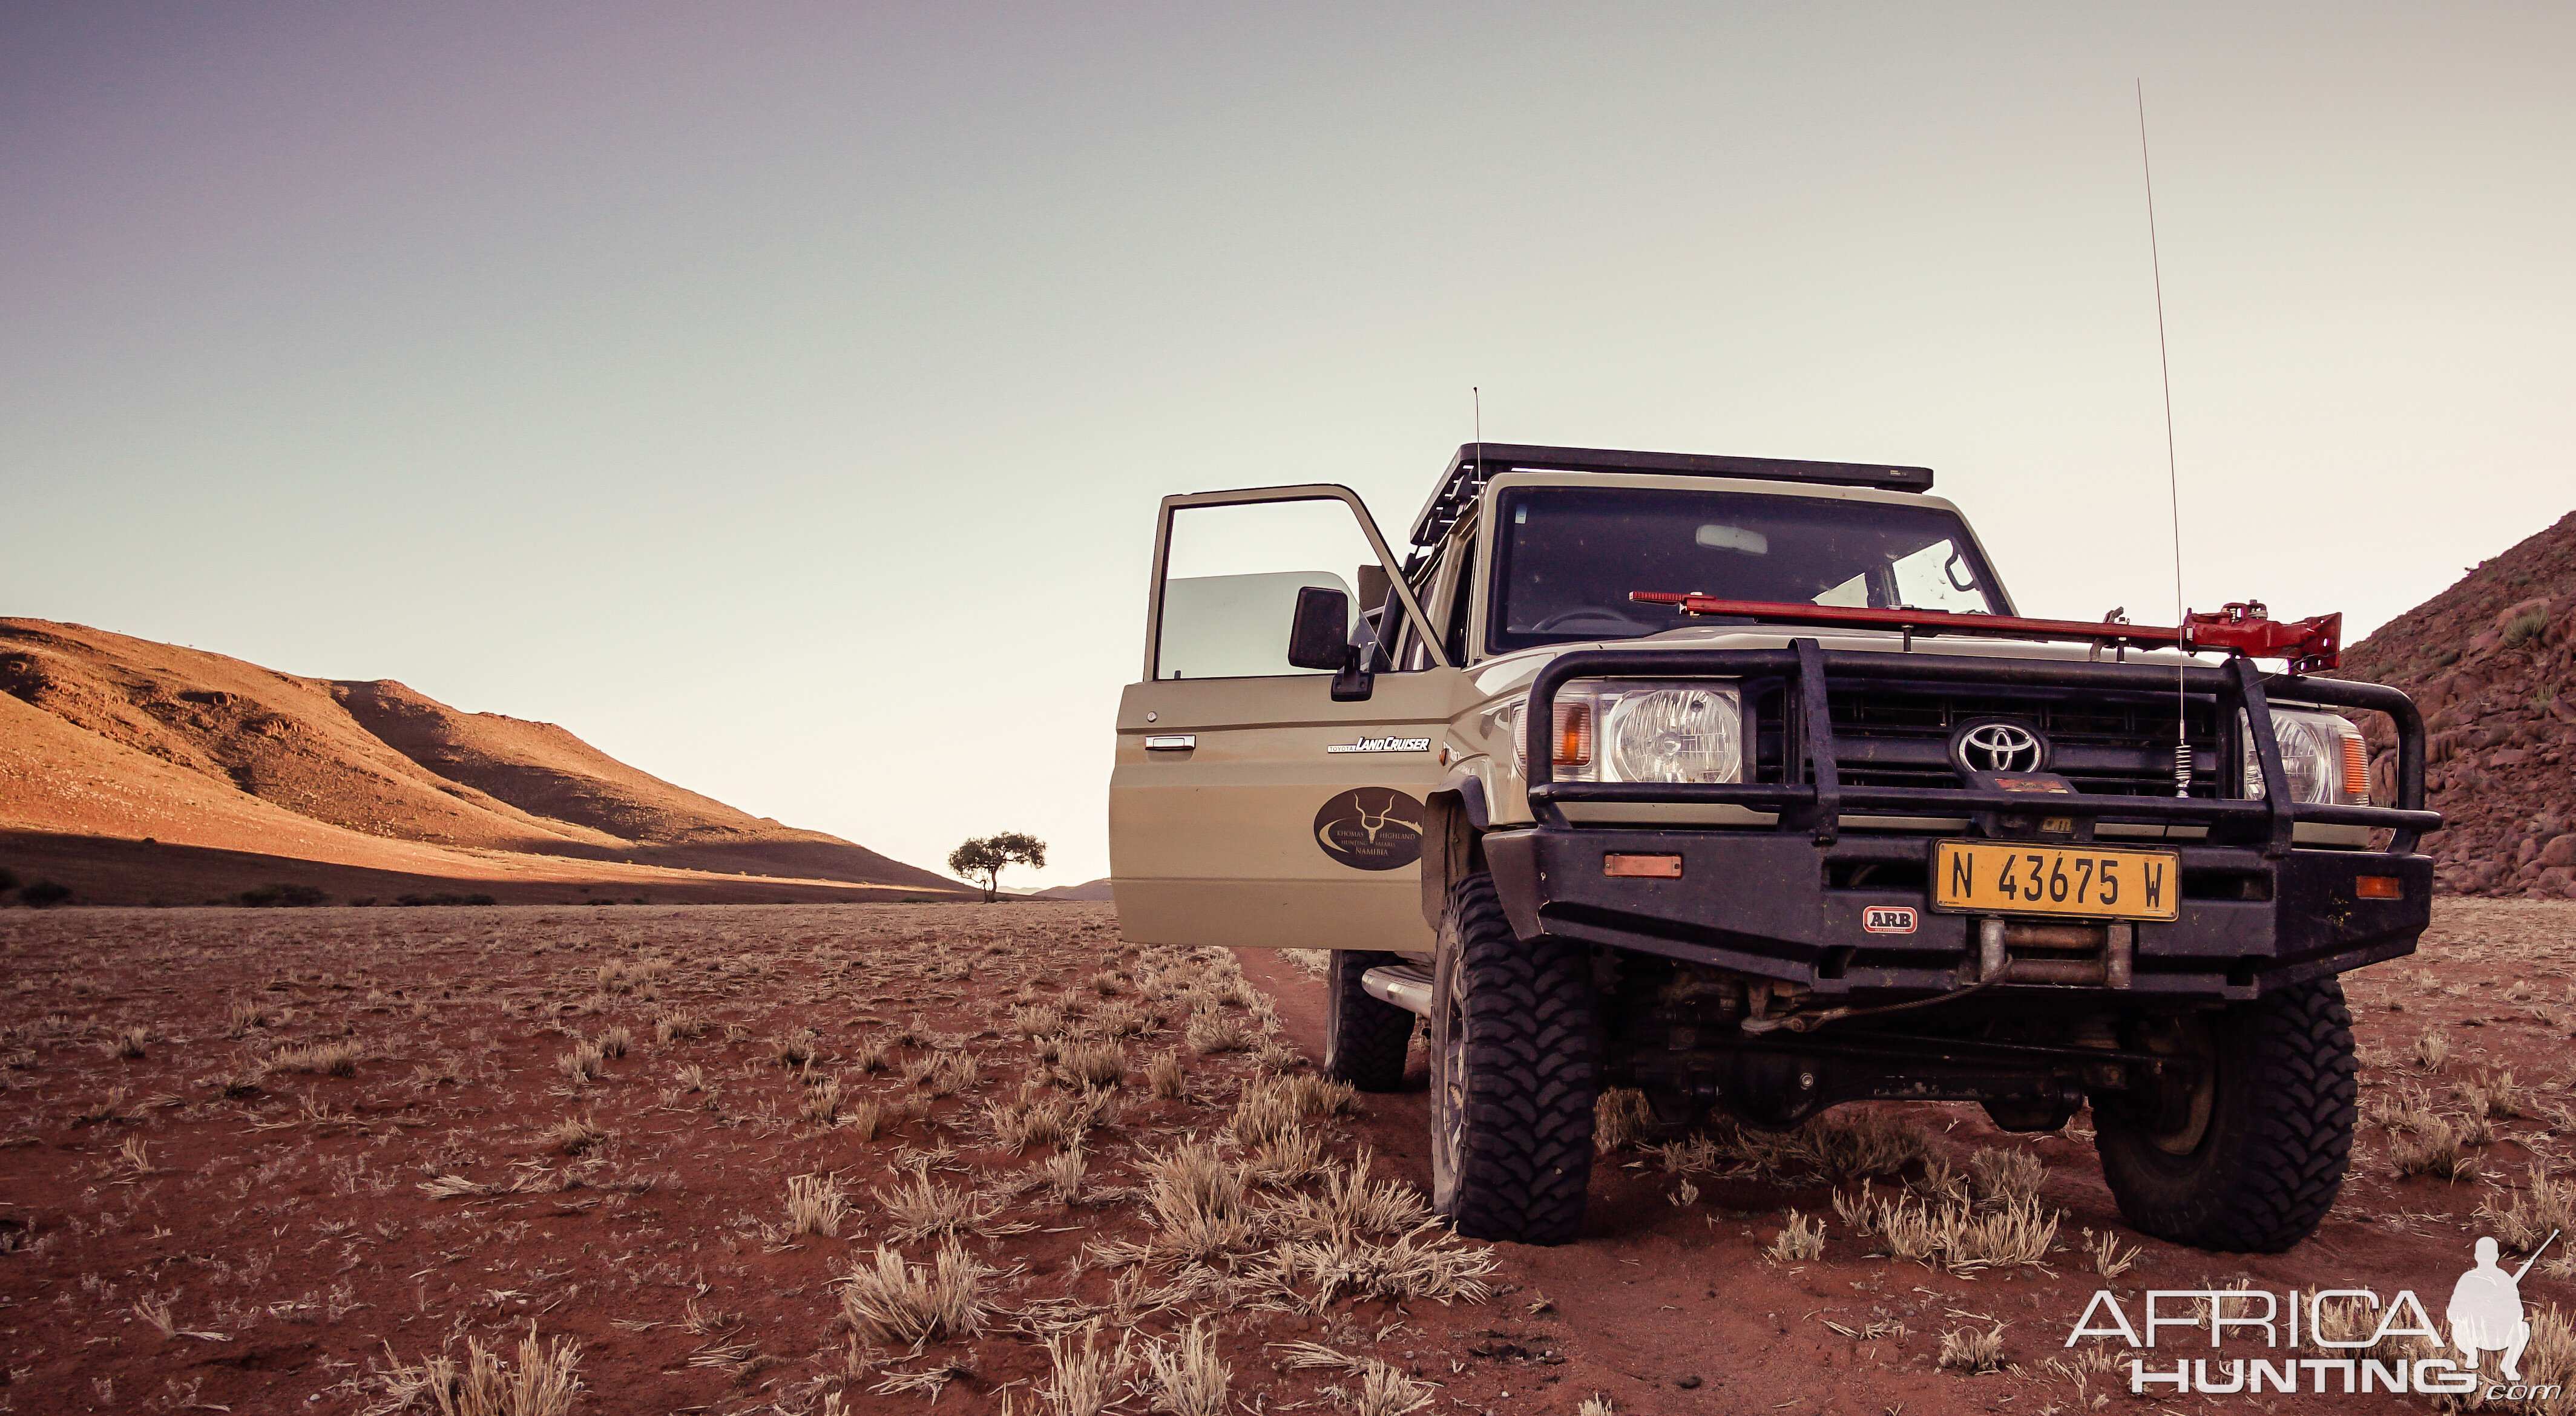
1533 1069
2280 1172
1367 1037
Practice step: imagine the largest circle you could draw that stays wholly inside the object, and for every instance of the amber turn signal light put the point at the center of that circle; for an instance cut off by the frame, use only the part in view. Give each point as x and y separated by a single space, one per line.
2379 887
1573 734
1643 867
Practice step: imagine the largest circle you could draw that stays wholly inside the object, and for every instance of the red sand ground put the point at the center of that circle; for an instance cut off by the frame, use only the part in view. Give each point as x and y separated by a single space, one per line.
280 1216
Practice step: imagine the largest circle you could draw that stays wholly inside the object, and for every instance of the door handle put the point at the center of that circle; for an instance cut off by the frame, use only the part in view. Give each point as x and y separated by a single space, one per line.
1174 742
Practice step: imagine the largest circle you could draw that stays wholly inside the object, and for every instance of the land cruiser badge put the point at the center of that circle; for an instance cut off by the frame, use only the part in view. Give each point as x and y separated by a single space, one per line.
1371 828
1383 744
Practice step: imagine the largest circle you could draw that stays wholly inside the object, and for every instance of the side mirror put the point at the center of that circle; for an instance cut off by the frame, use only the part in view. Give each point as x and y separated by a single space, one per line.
1320 636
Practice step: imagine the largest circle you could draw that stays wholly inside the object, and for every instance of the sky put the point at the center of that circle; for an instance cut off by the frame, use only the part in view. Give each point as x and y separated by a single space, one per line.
778 396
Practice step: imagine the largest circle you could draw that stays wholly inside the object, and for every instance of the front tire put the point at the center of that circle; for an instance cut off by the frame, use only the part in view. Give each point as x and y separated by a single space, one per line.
1364 1037
1514 1071
2250 1160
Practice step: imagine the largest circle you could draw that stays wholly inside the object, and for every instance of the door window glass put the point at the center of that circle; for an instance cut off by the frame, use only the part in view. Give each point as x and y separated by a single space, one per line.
1231 578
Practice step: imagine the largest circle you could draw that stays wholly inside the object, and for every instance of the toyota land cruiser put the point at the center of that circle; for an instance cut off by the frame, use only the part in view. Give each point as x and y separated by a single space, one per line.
1742 782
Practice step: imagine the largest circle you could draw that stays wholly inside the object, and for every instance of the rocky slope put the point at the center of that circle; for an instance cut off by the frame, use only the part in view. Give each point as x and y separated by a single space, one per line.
2488 662
115 740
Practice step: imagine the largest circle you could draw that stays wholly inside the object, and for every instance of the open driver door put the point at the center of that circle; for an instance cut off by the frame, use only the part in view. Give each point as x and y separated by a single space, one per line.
1256 802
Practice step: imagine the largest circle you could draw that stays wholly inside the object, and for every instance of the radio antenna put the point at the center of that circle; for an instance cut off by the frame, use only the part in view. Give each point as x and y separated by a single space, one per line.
2173 477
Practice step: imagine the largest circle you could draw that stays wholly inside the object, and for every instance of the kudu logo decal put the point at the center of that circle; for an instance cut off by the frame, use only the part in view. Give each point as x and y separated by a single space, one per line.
1371 828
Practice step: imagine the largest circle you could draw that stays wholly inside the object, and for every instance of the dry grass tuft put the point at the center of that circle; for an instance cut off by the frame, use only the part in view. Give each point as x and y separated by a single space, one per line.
2433 1147
890 1302
1349 1204
1215 1030
2546 1203
2109 1259
2432 1050
581 1064
1619 1119
1018 1125
1123 1020
332 1059
1187 1376
2497 1097
862 1118
1849 1145
1428 1263
822 1104
1083 1381
792 1050
1038 1020
573 1134
678 1027
544 1382
1973 1352
1166 1077
1092 1064
1798 1241
1837 1146
1962 1238
1064 1171
946 1073
1199 1203
923 1208
1384 1389
2004 1176
816 1204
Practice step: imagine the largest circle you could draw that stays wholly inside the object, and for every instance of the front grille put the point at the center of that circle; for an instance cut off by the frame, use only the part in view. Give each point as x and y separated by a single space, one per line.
2117 744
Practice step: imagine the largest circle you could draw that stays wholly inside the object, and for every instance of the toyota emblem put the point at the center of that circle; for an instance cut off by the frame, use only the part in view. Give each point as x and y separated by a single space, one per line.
1997 745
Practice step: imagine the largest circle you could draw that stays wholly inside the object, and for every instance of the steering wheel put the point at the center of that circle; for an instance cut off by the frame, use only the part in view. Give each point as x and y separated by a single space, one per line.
1581 614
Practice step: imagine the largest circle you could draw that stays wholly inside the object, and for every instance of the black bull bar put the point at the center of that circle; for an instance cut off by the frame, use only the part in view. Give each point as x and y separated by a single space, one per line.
1818 802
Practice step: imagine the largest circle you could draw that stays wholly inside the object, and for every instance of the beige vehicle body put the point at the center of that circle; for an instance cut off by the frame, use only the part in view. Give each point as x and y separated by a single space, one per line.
1215 841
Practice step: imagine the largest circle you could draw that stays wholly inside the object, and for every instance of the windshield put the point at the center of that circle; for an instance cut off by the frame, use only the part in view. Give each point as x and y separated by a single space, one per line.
1568 557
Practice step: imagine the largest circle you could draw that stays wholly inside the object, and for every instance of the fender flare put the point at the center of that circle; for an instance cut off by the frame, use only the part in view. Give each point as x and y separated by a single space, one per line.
1454 817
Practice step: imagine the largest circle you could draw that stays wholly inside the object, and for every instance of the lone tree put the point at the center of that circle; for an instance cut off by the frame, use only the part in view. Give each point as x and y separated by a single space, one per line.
982 858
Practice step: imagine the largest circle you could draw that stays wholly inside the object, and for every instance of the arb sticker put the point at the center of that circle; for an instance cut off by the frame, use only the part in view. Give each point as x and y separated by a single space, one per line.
1371 828
1888 919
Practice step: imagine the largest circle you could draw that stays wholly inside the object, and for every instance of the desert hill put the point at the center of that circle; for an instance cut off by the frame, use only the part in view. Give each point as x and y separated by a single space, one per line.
109 739
1089 891
2487 661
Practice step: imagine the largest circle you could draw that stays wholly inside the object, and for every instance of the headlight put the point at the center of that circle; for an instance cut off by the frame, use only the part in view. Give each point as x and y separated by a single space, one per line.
2321 754
1633 732
1673 735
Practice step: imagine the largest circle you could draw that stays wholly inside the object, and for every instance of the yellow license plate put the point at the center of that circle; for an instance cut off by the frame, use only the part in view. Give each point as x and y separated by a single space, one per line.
2098 882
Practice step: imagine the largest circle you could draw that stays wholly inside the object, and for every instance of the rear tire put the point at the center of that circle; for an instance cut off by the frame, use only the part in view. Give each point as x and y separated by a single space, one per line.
1514 1071
1364 1038
2251 1159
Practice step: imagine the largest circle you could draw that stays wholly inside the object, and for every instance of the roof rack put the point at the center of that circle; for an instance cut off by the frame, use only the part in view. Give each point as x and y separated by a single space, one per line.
1476 462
